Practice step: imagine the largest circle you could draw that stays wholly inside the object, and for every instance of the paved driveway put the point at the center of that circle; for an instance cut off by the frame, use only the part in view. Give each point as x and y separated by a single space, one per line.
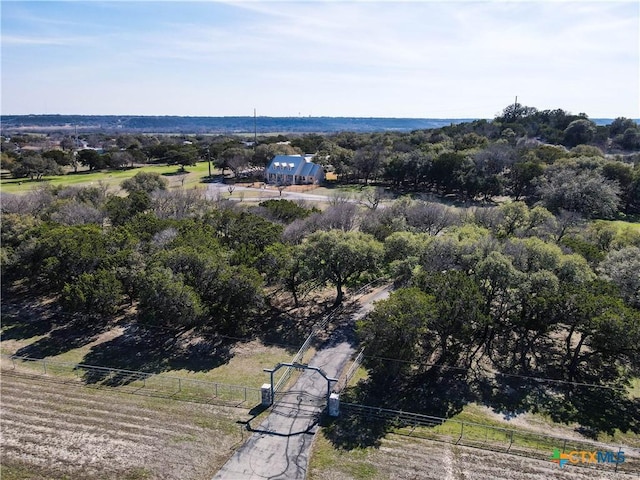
279 447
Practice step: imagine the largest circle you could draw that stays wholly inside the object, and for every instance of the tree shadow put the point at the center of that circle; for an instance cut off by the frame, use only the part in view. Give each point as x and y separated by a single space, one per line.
596 409
22 318
281 327
74 334
437 394
351 431
177 173
20 328
511 396
153 351
341 326
429 393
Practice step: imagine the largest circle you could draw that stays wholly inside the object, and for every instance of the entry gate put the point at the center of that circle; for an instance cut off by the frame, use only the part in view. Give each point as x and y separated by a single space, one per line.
268 394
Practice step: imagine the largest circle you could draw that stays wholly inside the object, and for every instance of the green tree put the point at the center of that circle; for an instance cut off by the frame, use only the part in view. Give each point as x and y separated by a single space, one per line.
145 181
58 156
620 125
97 292
286 211
445 171
283 263
183 155
578 132
35 167
622 267
397 328
92 159
630 139
522 177
166 300
340 257
586 192
601 332
460 322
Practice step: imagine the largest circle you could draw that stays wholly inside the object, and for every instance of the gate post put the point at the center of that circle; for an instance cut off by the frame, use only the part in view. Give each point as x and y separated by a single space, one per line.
334 405
267 399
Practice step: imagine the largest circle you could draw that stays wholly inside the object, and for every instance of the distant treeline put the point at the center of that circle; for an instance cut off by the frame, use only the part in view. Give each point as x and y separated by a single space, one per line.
177 124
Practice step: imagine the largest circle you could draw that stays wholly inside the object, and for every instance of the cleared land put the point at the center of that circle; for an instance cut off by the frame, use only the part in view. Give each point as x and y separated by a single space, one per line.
401 457
53 430
56 430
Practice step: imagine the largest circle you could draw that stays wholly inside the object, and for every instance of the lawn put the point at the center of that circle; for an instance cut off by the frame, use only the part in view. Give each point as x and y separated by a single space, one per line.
192 176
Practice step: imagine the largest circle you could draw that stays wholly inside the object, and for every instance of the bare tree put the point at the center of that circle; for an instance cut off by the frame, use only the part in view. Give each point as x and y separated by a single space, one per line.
179 204
371 197
430 217
563 223
78 213
34 202
339 198
338 217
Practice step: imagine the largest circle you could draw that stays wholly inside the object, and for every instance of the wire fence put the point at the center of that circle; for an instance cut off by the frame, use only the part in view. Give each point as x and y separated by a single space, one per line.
488 437
319 327
131 381
344 381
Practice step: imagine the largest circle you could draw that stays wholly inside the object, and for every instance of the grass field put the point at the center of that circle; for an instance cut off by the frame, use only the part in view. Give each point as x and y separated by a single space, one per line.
192 176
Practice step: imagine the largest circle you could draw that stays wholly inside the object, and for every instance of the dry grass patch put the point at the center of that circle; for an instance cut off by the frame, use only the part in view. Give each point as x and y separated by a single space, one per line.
401 457
244 368
55 430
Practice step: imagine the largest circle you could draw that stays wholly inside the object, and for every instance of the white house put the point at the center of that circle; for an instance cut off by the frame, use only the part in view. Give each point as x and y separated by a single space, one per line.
293 170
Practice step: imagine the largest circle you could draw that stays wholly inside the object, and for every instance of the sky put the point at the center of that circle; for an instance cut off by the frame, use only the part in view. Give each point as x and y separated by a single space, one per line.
419 59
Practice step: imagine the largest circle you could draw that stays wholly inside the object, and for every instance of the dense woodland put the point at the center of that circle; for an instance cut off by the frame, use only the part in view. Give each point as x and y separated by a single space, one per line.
488 296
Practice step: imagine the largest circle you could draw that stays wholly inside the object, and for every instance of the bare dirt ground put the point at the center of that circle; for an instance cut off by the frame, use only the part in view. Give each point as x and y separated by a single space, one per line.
400 457
51 430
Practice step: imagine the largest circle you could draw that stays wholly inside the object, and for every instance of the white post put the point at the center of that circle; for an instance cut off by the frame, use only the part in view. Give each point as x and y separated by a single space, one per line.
334 405
266 395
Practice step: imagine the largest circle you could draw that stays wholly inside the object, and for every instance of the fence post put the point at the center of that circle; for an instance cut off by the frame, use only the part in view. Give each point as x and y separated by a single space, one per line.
245 394
216 389
461 432
564 445
510 440
179 385
618 459
44 365
13 362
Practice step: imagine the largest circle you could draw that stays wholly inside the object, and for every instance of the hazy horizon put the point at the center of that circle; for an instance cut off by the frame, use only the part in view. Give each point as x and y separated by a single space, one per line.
428 59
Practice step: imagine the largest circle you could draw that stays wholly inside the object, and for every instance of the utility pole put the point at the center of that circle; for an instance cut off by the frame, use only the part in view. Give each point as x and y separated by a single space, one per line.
255 129
209 160
515 109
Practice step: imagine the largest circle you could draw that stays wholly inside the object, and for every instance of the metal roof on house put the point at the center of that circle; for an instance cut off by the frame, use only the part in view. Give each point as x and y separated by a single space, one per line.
289 162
